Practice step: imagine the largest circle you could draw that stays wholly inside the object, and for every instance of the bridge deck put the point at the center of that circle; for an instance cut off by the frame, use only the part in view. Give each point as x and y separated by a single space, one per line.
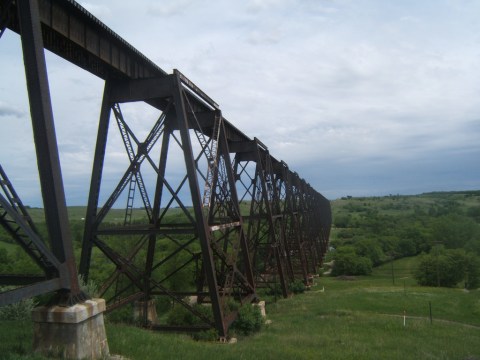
74 34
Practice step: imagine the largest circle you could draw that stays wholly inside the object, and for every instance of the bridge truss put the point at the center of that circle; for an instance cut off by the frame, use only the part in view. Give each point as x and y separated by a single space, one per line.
209 215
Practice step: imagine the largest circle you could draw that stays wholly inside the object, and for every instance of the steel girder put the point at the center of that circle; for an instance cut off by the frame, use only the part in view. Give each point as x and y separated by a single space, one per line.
200 250
57 260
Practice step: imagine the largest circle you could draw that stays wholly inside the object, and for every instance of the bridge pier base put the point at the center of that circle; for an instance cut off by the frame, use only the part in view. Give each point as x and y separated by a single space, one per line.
139 308
76 332
261 306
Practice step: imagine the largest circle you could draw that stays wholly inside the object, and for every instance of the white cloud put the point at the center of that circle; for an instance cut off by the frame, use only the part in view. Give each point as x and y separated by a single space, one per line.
168 8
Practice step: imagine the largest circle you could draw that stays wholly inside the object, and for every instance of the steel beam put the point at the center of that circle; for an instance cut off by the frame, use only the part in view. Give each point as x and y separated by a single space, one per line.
48 163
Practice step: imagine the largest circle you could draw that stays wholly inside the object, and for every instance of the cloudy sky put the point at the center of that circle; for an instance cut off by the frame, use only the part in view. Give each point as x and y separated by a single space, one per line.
360 97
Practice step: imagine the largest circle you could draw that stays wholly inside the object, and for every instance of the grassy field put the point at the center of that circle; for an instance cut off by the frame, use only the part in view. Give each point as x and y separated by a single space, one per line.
356 318
349 318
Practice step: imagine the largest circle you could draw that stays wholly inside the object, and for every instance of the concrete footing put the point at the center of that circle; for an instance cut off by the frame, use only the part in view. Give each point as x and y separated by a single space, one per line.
139 311
261 305
76 332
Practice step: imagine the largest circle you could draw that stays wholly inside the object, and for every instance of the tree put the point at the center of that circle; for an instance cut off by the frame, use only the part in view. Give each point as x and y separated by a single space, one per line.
472 271
371 250
347 262
342 221
454 231
406 247
446 268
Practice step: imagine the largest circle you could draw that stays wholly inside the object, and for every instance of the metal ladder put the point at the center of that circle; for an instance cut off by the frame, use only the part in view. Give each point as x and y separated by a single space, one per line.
135 177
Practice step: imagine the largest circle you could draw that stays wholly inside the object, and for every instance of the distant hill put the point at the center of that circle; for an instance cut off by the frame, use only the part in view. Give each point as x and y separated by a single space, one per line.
397 226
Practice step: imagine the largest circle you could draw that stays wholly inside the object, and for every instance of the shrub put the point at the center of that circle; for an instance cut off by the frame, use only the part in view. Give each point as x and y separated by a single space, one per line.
276 290
123 314
206 335
371 250
249 320
21 310
297 287
447 268
180 315
362 266
230 306
163 304
347 262
89 287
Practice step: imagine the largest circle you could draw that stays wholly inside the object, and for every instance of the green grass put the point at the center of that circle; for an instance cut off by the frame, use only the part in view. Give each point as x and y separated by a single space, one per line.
11 248
336 319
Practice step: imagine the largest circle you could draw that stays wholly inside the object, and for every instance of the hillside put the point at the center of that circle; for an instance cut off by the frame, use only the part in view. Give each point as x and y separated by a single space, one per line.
380 229
360 318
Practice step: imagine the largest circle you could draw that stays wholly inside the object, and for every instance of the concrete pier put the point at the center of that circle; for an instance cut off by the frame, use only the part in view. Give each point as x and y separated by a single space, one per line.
261 305
76 332
139 311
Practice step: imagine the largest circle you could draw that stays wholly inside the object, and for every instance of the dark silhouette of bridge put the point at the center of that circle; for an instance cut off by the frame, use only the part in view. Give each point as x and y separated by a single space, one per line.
210 216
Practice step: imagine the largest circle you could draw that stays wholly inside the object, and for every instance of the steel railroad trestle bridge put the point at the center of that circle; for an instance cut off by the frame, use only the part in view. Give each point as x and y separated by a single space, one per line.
219 218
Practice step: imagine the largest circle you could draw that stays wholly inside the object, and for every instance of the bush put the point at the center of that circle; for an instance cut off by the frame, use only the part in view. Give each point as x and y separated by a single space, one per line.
276 290
206 335
163 304
371 250
231 306
21 310
181 316
249 320
123 314
447 268
362 266
88 287
347 262
297 287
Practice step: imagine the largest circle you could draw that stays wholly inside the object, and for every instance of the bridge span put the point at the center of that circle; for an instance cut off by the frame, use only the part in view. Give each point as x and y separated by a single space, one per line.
210 218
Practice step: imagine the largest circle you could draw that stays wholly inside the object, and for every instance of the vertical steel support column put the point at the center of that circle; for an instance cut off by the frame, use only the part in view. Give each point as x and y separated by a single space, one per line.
310 224
202 226
156 207
274 216
291 215
46 144
224 151
95 183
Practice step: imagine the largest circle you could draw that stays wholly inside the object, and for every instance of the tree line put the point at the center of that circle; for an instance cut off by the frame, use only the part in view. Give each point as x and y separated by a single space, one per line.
442 228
